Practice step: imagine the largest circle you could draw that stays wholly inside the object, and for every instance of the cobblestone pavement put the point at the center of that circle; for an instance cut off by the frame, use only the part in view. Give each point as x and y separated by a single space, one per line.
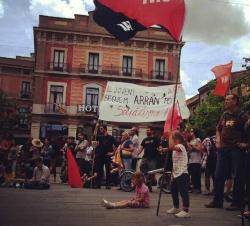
63 206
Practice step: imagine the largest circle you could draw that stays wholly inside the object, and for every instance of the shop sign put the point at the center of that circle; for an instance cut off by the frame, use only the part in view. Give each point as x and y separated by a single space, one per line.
87 108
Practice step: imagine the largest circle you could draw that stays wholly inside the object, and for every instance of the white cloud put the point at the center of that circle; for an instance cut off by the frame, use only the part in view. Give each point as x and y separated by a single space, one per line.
185 80
1 9
246 9
89 2
60 8
188 96
217 22
187 84
204 82
245 47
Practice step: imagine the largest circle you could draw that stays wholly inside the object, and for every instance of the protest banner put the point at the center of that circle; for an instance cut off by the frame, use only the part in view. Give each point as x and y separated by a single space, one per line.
126 102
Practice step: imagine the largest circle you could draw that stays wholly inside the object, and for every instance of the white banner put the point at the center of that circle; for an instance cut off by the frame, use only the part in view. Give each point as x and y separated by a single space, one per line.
126 102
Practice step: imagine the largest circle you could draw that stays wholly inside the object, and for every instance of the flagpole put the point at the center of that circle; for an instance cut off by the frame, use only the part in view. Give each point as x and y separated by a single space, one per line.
94 144
229 91
171 127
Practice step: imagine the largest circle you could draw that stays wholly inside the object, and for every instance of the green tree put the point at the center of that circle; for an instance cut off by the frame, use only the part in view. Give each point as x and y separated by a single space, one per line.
208 113
244 99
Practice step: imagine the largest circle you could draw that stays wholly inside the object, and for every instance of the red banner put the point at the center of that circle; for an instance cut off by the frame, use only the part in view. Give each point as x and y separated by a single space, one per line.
74 178
169 14
223 76
176 120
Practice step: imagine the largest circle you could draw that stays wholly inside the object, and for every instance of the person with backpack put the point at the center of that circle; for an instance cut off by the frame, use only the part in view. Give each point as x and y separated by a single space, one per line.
210 158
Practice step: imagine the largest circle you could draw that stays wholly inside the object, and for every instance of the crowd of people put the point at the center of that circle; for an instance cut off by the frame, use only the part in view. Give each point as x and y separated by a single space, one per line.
223 156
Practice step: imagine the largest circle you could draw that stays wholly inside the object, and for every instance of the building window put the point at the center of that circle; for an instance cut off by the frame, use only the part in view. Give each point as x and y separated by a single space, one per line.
25 90
92 96
55 104
58 63
159 69
127 65
93 63
24 118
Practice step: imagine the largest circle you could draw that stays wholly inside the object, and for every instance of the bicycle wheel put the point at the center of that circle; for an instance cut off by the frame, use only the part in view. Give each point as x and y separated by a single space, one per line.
166 183
126 181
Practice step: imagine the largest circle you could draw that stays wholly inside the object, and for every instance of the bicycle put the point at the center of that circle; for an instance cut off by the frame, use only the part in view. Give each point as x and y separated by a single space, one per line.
127 175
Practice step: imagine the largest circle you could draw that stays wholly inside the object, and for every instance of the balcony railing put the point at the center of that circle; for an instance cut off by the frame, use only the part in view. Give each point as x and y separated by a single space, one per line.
90 68
55 108
161 75
25 95
110 70
57 66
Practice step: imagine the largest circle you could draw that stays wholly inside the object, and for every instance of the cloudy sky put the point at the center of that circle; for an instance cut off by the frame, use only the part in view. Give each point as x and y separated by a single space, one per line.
216 32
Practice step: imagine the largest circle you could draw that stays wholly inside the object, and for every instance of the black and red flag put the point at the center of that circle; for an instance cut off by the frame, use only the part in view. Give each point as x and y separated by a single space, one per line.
124 18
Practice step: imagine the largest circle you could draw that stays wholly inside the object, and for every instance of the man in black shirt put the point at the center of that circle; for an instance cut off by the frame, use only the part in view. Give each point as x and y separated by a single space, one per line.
230 132
150 146
104 151
164 156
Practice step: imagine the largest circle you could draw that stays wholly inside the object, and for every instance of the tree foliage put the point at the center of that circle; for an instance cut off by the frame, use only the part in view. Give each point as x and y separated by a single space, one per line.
208 113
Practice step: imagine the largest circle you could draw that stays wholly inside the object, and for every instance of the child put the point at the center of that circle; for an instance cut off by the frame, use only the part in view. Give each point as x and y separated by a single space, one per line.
141 199
180 181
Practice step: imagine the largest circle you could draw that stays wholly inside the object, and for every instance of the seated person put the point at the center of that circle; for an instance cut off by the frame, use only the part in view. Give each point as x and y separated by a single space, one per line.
40 178
141 199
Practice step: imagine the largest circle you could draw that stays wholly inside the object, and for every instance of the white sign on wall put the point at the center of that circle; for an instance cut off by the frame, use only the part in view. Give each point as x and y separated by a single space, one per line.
87 108
126 102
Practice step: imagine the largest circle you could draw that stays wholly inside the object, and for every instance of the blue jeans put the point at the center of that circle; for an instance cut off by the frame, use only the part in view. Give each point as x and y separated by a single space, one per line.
127 163
229 161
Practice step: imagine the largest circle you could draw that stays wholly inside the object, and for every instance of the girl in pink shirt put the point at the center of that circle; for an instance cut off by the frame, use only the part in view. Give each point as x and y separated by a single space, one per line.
141 199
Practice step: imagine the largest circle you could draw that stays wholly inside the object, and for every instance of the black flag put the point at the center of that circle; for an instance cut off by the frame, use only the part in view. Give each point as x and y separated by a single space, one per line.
122 27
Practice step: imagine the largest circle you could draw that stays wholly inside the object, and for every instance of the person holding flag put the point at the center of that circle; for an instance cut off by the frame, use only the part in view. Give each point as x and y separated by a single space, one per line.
180 181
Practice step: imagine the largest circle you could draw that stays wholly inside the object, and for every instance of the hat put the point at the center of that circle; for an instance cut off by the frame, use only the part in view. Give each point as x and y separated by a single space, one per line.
37 143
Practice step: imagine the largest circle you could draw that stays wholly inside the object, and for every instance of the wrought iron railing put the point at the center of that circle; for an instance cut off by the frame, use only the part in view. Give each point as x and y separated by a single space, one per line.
161 75
110 70
58 66
55 108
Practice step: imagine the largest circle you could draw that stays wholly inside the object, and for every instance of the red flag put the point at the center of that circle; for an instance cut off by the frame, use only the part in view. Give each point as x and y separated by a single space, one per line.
223 75
74 178
169 14
176 120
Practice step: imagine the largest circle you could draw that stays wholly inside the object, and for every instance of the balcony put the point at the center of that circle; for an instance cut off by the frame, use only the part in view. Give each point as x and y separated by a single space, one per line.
89 68
161 75
54 108
57 66
111 70
25 95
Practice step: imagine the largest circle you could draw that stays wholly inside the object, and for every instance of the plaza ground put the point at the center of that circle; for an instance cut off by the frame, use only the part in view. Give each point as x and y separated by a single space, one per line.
62 205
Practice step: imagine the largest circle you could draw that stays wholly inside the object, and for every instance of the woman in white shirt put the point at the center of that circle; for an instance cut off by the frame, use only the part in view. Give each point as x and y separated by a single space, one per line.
180 180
